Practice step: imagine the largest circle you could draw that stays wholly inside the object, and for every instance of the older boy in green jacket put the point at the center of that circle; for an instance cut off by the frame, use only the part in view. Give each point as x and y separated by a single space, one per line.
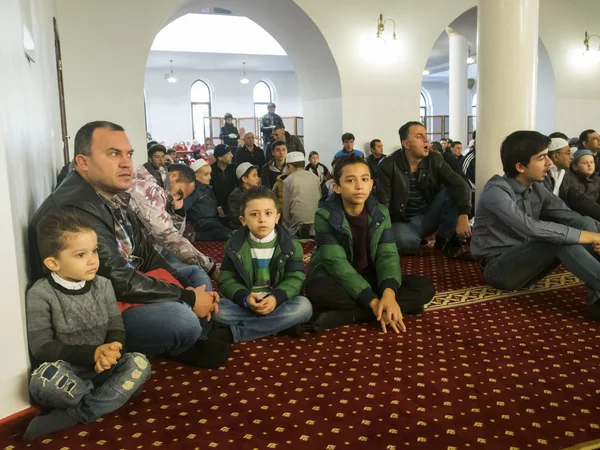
262 274
354 273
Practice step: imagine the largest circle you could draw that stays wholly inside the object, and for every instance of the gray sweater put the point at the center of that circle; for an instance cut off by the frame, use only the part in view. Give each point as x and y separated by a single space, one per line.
70 324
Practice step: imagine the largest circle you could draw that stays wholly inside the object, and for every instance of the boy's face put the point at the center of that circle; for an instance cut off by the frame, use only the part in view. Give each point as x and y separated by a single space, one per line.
314 159
78 261
252 179
355 184
229 120
203 174
261 216
538 167
349 145
280 153
585 165
158 159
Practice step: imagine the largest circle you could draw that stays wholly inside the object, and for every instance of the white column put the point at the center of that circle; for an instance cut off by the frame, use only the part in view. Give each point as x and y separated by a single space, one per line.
459 52
507 61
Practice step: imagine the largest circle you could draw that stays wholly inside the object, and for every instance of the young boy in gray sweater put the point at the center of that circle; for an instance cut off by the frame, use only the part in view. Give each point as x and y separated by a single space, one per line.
75 332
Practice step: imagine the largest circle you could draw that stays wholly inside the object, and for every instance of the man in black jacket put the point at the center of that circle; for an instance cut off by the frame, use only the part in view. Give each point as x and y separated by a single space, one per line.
249 152
423 193
229 134
268 122
159 317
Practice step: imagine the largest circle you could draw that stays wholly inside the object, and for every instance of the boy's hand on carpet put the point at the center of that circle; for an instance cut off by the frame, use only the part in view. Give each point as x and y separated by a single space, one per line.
388 312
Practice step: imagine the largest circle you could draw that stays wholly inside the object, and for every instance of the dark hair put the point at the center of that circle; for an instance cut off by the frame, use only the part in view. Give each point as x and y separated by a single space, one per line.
583 137
257 193
373 142
558 134
519 147
436 147
228 116
405 129
455 143
52 228
279 127
277 144
450 141
297 164
83 138
343 161
186 173
443 139
155 149
150 144
271 105
171 150
348 137
312 153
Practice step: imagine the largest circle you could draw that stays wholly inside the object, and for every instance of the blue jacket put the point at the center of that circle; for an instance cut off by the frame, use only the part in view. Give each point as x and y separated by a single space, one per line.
342 152
201 207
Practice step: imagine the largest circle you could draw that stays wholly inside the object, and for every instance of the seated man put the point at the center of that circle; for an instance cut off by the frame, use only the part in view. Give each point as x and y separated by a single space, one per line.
85 352
156 164
163 216
202 209
375 157
580 188
523 232
292 143
561 157
249 153
301 195
275 168
262 274
354 273
248 176
453 155
317 168
423 194
348 147
223 179
159 317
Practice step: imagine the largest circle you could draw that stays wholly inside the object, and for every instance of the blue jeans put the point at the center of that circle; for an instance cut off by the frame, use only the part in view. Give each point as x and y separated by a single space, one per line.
162 328
525 264
440 216
195 275
85 394
247 325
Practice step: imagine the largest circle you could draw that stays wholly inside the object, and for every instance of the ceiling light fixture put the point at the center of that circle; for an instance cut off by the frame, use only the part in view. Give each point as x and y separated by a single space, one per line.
244 80
171 78
587 53
381 28
426 72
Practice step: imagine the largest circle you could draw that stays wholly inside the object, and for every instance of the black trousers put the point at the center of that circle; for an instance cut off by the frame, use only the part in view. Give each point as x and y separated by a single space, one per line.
326 294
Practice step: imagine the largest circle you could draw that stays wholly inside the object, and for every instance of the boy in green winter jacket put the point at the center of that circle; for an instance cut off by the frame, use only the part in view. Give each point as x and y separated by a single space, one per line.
354 273
262 274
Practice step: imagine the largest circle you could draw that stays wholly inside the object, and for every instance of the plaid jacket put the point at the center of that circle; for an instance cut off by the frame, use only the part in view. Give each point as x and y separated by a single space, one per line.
152 204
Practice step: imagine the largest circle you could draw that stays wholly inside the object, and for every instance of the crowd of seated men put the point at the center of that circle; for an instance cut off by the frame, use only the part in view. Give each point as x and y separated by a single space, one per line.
118 282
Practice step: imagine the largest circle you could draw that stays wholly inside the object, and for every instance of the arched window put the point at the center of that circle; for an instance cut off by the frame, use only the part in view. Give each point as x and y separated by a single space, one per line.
200 96
262 97
424 111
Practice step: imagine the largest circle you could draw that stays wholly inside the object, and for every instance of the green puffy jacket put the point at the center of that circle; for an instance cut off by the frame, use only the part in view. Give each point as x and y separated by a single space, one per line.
333 253
237 275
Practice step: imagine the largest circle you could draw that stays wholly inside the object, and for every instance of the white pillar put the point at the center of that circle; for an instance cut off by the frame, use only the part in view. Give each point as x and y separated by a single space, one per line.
459 52
507 60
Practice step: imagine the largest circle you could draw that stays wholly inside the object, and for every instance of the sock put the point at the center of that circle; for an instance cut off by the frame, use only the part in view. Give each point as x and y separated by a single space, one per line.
221 333
56 420
332 319
207 354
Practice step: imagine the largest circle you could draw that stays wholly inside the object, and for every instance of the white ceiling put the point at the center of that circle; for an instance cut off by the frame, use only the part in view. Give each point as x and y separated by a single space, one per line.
218 61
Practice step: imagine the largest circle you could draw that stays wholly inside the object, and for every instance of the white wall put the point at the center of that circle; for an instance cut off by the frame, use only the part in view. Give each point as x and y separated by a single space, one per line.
30 157
439 98
168 104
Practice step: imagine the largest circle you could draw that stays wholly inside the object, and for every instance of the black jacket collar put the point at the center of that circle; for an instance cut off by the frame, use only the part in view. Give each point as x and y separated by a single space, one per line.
155 173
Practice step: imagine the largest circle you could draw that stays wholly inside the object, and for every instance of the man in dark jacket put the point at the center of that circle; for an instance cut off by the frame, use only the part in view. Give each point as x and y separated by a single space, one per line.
249 153
159 317
453 155
229 134
268 122
375 157
292 143
423 194
223 179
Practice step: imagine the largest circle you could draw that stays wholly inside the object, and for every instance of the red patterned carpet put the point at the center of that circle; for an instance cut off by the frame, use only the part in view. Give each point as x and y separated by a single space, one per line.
481 368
